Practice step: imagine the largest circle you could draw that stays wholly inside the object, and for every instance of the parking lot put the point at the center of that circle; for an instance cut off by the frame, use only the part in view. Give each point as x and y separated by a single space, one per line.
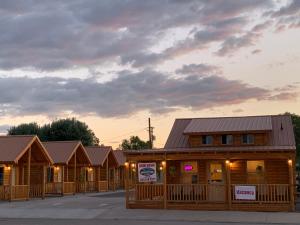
109 208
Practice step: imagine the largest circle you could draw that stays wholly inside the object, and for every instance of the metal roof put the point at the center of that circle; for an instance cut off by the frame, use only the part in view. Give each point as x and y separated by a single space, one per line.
98 154
62 151
229 124
13 147
277 136
120 156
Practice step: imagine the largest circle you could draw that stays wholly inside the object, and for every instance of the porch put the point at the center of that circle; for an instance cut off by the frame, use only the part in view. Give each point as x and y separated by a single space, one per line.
262 182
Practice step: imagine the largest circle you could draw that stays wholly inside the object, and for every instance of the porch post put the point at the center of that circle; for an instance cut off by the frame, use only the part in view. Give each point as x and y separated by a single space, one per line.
291 181
67 173
84 170
107 175
11 183
99 178
43 182
75 185
28 171
63 180
228 182
127 184
164 164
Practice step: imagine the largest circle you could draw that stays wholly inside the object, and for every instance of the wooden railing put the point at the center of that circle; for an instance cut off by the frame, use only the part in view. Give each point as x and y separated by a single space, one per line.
91 186
80 187
53 188
18 192
265 193
102 186
36 191
146 192
69 187
195 193
4 192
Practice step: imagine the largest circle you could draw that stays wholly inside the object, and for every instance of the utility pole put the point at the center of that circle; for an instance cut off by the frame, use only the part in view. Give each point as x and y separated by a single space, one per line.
150 130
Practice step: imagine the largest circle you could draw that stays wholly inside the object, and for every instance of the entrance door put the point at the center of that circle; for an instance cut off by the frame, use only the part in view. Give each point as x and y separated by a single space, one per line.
216 181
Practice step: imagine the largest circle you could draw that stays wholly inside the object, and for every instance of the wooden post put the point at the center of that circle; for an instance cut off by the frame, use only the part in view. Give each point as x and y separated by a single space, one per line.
228 182
107 175
75 183
28 171
165 183
291 181
63 180
43 182
11 183
127 184
84 177
67 174
99 178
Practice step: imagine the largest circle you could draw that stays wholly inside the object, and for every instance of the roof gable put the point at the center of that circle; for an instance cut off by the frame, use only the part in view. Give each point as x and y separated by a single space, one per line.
98 154
61 151
120 157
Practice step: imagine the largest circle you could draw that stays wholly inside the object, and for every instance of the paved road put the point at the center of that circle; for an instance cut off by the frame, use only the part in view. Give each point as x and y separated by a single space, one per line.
109 209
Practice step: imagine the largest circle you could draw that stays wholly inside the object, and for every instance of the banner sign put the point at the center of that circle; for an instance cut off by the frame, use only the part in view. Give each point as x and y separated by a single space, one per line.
147 172
245 192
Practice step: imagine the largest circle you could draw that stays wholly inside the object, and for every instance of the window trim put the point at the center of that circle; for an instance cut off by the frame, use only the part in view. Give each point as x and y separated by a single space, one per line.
212 140
226 139
248 143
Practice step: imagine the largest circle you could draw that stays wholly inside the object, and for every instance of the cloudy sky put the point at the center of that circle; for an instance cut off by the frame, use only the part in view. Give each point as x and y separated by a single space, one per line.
114 63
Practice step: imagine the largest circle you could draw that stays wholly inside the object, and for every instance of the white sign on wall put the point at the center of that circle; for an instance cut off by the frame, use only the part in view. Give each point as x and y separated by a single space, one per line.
147 172
245 192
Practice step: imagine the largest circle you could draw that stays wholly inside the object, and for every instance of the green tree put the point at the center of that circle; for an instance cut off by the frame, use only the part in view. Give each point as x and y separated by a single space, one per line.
59 130
24 129
296 124
134 143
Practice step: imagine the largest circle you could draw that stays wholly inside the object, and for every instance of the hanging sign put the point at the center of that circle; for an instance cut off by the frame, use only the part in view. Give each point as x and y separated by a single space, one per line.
147 172
245 192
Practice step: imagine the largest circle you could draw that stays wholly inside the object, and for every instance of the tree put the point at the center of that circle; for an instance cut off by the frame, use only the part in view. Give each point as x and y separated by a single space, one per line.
296 124
24 129
59 130
134 143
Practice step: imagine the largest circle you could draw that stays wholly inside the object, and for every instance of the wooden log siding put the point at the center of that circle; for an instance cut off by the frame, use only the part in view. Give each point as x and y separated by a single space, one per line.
273 195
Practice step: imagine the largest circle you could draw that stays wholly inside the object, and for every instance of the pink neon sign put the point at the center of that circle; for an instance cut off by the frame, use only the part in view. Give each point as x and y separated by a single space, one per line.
188 167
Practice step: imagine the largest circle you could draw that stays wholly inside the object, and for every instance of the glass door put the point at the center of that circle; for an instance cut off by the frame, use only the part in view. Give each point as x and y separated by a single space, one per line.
216 181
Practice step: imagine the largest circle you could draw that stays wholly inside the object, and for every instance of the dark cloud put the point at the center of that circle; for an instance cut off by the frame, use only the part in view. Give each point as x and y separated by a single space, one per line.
256 51
199 69
129 93
51 35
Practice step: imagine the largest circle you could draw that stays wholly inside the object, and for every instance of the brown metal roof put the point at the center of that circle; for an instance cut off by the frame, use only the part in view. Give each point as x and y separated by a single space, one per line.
229 124
13 147
213 149
62 151
120 156
98 154
278 136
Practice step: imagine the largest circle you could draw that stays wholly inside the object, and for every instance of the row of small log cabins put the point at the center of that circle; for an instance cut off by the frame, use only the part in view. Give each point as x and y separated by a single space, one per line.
30 168
236 163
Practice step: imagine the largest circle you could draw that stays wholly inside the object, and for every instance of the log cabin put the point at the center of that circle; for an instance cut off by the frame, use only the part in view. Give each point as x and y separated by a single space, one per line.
23 163
229 163
120 170
68 173
102 173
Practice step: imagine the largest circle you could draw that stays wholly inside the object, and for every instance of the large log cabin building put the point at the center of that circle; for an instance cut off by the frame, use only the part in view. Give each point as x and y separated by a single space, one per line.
230 163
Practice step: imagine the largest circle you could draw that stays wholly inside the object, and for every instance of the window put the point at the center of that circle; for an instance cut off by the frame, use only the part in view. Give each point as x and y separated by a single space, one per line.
227 139
255 172
1 175
248 139
207 140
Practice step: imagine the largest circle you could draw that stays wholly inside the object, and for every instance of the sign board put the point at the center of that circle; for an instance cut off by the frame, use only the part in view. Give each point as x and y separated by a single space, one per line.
245 192
147 172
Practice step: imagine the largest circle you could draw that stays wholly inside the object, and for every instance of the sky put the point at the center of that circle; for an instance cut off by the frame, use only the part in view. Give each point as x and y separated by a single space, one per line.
114 63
